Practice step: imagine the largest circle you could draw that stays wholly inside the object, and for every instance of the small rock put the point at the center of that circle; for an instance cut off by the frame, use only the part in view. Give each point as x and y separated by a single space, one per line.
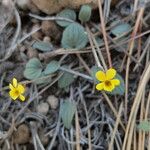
54 6
50 29
33 8
23 4
22 135
52 101
47 39
43 108
31 53
44 139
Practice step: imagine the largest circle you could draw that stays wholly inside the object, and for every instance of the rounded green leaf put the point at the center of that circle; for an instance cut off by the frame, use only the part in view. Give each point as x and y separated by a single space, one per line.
43 46
52 67
67 111
68 14
33 69
74 36
65 80
42 79
121 29
145 126
85 13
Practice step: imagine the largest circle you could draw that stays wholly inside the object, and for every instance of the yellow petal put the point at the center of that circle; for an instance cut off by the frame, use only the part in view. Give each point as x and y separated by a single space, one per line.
110 74
109 88
15 82
13 94
21 88
100 75
11 86
100 86
115 82
22 98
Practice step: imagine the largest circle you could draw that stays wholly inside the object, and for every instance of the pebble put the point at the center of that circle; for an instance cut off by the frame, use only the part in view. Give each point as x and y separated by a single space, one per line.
22 135
43 108
52 101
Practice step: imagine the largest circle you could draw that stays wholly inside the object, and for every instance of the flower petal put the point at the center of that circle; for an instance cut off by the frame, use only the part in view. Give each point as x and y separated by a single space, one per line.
13 94
11 86
100 86
115 82
109 88
21 88
100 75
110 74
22 98
15 82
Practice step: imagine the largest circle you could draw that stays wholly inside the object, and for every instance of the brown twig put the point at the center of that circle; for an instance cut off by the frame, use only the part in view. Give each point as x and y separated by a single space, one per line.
104 33
84 64
113 109
131 46
132 117
115 127
77 131
93 48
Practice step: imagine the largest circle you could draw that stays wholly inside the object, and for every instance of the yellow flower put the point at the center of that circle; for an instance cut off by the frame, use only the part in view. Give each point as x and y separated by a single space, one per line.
108 83
16 90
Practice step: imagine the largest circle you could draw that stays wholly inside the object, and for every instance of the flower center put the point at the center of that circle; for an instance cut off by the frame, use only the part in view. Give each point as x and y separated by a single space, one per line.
17 92
107 83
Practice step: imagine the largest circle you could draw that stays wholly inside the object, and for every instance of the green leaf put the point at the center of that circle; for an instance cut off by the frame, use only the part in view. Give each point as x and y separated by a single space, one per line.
145 126
74 36
67 89
67 111
121 29
66 13
52 67
43 46
65 80
42 79
85 13
94 69
118 89
33 69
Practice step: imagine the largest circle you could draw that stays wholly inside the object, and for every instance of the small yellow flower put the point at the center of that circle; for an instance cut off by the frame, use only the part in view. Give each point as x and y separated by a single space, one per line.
16 90
108 83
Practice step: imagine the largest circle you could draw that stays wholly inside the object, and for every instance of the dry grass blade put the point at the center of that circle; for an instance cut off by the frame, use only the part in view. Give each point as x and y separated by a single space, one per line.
147 109
104 32
50 18
15 38
100 54
145 50
87 120
93 49
131 46
84 64
115 127
113 109
140 134
135 5
55 134
135 140
132 117
61 51
77 131
149 141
